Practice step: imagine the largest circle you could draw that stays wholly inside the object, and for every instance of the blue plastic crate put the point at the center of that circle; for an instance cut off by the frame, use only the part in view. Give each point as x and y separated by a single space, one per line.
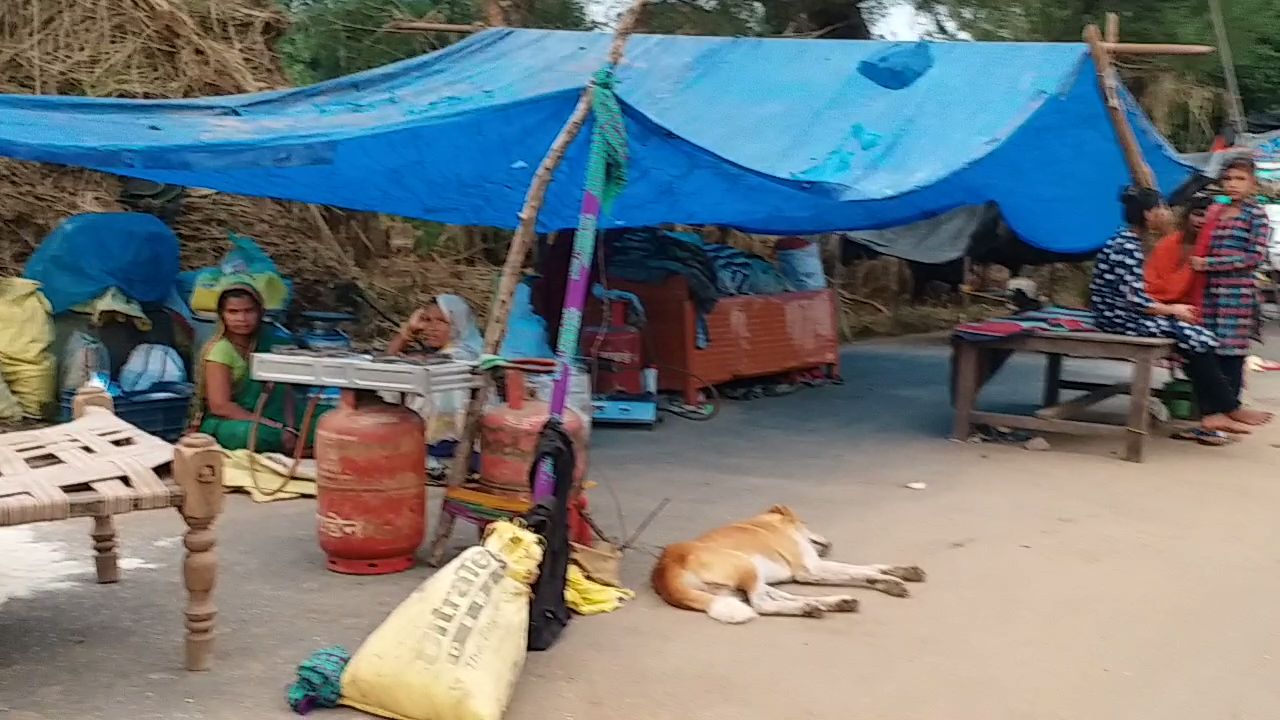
162 415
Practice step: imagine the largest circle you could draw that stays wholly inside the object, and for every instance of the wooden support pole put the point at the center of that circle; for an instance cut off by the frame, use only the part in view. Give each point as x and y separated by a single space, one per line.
1109 84
1112 33
1234 105
1120 48
521 243
424 26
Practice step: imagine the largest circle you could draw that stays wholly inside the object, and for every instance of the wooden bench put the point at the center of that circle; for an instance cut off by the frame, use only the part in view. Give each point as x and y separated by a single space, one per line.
1057 416
99 466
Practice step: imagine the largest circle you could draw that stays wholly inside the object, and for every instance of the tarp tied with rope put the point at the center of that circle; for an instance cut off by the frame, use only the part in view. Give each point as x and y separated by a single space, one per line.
776 136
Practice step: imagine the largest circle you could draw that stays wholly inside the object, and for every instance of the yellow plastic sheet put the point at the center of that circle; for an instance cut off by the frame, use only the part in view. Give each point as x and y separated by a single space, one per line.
271 472
588 597
114 301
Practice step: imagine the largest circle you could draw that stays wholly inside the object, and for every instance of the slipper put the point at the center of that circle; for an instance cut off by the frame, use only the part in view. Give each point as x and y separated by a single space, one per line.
1211 438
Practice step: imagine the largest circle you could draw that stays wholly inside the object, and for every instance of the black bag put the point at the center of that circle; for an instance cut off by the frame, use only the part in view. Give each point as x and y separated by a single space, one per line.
548 613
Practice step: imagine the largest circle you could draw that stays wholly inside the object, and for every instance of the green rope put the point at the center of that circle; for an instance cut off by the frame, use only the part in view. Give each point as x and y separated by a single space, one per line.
609 139
319 680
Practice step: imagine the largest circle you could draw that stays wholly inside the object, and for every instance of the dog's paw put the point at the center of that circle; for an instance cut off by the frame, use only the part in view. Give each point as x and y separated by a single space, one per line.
890 586
813 611
910 573
844 604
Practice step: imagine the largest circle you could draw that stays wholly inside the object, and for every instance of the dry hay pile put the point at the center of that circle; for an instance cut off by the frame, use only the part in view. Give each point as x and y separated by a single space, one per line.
176 49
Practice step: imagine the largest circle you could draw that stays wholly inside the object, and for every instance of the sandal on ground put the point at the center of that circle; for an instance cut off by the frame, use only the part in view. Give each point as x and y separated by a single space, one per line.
1211 438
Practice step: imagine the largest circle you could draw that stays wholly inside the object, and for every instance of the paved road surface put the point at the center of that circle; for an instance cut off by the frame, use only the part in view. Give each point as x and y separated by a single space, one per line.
1065 584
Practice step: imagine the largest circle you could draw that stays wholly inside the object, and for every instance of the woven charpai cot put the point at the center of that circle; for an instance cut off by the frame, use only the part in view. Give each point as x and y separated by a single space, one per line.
50 473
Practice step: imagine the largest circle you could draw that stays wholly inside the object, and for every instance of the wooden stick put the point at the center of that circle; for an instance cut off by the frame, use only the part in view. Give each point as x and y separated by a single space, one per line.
1234 106
521 243
495 13
1112 33
1120 48
419 26
1138 168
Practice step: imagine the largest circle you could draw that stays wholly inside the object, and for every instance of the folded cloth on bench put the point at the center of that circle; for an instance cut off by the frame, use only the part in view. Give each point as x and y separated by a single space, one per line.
1058 319
1050 319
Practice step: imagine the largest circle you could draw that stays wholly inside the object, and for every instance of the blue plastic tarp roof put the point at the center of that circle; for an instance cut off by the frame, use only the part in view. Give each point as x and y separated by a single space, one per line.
772 136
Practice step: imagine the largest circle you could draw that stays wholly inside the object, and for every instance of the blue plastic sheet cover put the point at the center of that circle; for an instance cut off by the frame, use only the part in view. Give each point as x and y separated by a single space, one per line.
767 135
88 254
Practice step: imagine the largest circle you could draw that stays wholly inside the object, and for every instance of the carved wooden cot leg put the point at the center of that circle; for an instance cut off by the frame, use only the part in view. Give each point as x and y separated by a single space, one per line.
104 526
197 467
104 546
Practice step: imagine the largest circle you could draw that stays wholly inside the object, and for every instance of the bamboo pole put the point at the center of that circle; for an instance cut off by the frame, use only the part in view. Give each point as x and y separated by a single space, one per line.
1138 168
424 26
1119 48
1234 105
1112 32
521 243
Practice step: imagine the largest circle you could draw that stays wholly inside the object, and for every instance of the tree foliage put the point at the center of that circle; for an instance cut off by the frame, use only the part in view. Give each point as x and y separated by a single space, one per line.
1253 29
331 38
825 18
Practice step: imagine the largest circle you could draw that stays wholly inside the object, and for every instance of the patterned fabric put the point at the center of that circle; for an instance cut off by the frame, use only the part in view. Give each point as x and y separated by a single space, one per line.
1119 298
1053 319
1231 308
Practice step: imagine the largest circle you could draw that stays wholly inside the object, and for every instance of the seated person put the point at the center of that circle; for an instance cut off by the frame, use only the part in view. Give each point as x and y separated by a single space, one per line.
1170 278
226 397
1121 305
444 327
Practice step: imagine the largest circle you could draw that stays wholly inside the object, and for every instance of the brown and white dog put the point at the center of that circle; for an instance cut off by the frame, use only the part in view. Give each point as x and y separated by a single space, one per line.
714 572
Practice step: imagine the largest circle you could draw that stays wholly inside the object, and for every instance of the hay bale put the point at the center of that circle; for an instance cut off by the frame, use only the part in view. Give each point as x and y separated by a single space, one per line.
136 49
193 48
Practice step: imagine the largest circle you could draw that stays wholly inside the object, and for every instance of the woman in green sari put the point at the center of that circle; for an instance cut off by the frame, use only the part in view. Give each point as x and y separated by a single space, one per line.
226 397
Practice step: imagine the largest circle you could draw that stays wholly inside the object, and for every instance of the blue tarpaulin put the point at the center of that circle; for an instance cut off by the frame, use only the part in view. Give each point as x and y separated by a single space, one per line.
86 255
766 135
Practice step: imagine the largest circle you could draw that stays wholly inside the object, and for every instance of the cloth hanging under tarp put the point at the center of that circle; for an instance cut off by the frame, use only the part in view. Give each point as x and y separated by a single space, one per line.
975 231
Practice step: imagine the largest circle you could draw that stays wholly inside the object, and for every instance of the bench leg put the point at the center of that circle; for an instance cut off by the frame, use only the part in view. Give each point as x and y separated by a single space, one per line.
104 547
966 390
197 467
1052 380
1139 415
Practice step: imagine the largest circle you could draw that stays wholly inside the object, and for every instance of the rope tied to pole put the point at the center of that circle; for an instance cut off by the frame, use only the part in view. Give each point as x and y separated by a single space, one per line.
607 170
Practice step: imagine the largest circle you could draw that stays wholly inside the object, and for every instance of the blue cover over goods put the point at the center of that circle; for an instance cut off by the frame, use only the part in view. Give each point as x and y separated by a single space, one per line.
86 255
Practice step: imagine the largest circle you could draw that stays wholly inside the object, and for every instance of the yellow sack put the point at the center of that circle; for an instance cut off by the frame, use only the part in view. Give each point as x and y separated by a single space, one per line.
26 336
455 648
10 409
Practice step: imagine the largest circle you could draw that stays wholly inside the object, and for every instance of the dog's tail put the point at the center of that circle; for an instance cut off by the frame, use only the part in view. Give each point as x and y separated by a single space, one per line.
676 585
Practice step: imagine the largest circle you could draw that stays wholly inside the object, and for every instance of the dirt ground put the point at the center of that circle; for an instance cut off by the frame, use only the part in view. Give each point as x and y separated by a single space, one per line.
1062 584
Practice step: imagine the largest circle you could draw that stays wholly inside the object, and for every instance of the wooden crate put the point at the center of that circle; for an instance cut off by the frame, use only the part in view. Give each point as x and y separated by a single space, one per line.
751 336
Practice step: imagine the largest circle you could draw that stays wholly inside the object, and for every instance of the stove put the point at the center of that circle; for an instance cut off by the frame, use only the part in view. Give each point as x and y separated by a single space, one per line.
363 371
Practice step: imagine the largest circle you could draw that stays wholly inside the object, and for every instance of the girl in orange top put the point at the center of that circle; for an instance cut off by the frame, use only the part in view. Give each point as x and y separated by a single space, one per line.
1169 276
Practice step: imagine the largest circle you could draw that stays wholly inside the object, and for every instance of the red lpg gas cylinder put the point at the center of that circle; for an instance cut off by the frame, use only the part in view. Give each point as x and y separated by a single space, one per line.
370 485
620 346
509 441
